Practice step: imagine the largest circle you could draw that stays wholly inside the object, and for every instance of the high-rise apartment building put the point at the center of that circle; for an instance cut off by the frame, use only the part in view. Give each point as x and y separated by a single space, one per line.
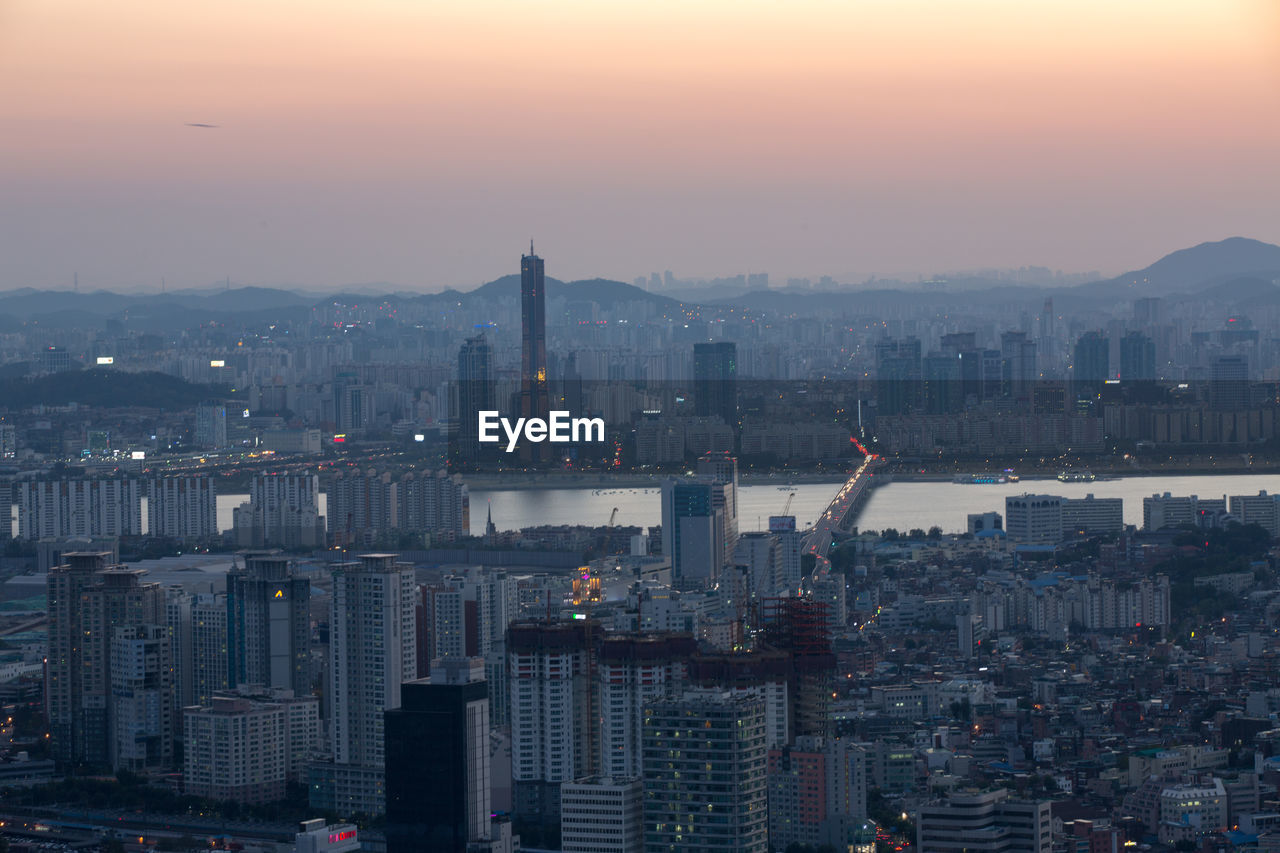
705 774
363 507
552 714
722 470
372 651
763 674
269 624
118 599
62 508
437 769
210 657
434 505
211 425
633 672
234 749
184 508
141 702
197 625
283 510
64 685
758 553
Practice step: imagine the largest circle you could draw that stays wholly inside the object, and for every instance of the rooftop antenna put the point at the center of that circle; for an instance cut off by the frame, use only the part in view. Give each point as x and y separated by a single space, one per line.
530 245
162 284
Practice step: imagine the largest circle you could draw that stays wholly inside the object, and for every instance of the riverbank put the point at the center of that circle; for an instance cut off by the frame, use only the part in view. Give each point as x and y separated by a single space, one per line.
1102 473
902 471
565 480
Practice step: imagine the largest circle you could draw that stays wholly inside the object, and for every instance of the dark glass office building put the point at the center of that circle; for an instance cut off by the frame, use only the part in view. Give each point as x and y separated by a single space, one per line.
437 761
715 374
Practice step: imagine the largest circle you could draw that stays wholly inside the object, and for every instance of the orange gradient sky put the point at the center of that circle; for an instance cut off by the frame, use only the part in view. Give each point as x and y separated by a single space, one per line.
421 142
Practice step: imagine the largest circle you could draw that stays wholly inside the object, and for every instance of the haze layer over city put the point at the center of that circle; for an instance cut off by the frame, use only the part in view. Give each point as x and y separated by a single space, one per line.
637 428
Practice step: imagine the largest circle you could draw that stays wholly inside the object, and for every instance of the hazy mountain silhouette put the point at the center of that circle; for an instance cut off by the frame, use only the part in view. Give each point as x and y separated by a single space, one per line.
1237 272
1186 268
606 292
1224 265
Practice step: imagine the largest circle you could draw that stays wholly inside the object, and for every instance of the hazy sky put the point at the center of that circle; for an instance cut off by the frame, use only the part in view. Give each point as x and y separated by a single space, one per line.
422 142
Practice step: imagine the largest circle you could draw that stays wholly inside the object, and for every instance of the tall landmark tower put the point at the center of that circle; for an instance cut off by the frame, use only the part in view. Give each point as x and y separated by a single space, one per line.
535 401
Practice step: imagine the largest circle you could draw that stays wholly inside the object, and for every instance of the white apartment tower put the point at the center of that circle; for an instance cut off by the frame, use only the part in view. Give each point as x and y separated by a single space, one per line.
551 713
63 508
633 672
183 508
373 650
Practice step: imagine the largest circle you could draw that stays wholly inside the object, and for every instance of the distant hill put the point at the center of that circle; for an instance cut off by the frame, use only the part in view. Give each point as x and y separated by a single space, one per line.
1237 272
603 291
1234 272
1186 268
106 388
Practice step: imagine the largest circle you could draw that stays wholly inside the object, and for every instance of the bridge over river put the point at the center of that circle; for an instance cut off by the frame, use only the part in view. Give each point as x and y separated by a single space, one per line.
839 516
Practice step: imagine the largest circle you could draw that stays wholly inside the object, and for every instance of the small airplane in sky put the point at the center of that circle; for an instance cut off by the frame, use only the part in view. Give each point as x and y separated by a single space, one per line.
200 124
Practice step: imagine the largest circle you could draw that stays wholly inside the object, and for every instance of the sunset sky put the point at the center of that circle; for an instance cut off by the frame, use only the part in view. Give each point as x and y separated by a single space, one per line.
423 142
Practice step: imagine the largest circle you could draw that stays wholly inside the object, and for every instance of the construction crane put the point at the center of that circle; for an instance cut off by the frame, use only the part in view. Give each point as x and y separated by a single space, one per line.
786 508
613 517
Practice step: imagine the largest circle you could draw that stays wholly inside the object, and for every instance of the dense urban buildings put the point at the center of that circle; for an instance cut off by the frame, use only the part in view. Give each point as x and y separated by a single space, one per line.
1033 663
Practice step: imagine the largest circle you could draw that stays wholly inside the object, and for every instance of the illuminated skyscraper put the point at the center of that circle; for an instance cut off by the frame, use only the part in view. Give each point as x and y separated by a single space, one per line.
534 397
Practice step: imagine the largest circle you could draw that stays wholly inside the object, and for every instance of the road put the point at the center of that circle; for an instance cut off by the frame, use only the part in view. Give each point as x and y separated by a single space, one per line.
839 515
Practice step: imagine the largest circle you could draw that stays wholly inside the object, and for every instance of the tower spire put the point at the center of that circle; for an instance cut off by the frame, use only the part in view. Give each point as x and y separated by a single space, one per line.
530 245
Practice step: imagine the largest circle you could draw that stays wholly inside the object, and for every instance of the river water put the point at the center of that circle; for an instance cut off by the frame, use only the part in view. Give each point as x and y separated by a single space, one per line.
902 505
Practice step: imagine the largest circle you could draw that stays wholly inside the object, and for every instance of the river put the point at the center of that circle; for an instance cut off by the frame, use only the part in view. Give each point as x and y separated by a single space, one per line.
903 505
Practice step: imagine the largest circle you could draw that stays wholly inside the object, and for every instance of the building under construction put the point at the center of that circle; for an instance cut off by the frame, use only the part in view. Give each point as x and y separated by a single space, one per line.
800 628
